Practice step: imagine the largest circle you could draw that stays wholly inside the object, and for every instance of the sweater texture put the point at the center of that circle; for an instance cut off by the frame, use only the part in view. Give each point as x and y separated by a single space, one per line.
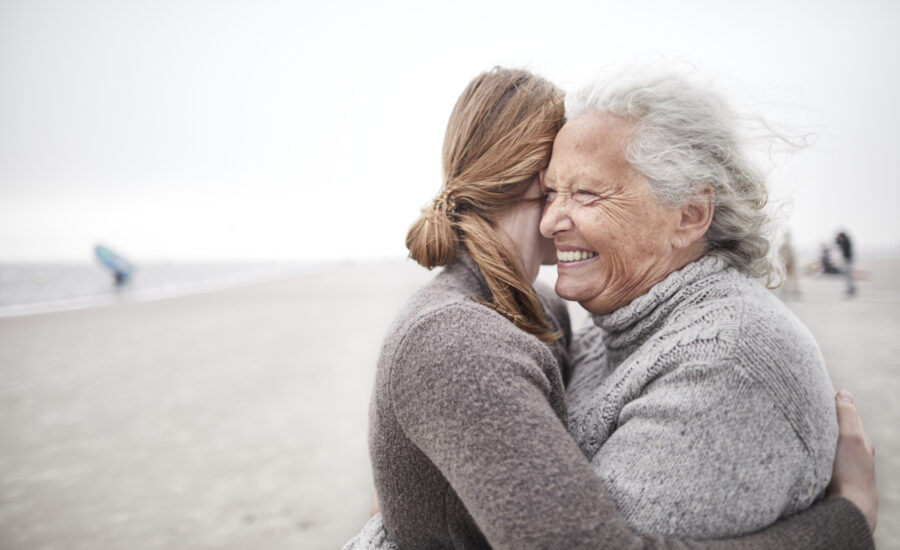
470 448
704 406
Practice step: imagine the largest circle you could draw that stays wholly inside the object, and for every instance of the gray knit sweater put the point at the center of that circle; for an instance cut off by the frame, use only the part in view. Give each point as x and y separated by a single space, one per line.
469 444
704 406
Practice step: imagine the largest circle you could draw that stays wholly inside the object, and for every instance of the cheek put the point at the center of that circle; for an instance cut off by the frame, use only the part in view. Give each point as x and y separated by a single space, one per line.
623 241
526 224
598 229
548 251
633 231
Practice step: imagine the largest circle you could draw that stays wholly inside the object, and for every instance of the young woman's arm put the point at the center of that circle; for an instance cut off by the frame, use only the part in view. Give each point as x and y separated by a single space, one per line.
844 520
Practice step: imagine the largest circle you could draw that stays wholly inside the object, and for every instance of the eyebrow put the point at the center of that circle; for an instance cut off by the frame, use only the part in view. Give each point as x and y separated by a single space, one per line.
581 179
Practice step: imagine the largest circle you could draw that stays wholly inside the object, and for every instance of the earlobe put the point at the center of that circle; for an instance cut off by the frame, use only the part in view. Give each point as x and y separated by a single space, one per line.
695 218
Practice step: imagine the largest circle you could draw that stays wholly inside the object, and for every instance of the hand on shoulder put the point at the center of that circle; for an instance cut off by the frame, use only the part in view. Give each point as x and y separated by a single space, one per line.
854 462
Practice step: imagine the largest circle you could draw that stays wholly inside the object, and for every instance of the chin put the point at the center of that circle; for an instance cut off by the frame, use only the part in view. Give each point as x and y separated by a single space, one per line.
587 299
567 292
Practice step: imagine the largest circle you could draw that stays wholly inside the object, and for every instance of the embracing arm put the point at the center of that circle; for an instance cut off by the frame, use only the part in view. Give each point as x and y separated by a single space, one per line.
832 524
478 408
477 403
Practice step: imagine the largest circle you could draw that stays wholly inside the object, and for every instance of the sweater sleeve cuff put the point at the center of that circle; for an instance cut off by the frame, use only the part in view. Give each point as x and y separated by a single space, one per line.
856 531
832 523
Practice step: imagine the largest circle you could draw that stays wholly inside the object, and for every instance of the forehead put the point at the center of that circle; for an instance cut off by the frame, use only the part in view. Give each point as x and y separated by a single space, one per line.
591 146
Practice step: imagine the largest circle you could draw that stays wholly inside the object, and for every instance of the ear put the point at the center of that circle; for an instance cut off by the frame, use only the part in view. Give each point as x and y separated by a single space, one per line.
696 216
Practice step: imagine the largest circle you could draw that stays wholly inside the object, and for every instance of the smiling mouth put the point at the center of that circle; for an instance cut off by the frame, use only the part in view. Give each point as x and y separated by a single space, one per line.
566 256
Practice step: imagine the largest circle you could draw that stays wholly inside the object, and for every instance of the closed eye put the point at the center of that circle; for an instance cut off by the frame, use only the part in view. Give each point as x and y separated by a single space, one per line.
586 197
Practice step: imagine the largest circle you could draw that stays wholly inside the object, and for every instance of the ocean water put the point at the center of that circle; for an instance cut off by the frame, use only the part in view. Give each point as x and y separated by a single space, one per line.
28 288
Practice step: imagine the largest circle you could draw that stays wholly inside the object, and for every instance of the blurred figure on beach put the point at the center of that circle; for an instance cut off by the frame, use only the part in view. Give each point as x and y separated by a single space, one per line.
790 288
846 246
120 268
826 263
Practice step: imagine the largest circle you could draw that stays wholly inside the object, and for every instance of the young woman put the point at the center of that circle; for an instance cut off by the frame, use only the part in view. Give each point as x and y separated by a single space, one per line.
468 434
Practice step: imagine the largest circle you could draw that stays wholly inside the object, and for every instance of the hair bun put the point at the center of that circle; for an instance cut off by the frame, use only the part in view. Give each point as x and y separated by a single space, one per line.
432 241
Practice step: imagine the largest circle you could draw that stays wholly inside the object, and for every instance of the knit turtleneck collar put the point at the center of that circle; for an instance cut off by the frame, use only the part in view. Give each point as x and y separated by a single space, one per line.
633 323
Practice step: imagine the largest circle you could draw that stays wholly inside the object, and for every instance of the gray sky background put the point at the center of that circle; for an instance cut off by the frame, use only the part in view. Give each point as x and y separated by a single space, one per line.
258 130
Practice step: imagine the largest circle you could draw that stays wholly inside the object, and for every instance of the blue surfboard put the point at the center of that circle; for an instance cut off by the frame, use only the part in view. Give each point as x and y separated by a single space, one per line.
119 266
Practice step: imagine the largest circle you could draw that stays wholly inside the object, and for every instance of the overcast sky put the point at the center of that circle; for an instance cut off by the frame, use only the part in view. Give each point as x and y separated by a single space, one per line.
257 130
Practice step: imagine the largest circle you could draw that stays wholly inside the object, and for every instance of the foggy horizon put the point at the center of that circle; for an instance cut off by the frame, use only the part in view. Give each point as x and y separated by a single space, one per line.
272 131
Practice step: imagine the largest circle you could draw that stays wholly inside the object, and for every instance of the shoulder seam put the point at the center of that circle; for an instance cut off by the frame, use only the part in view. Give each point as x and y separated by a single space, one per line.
777 402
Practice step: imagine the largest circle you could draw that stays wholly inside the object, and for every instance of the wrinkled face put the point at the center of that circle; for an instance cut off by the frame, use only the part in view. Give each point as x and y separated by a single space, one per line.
613 239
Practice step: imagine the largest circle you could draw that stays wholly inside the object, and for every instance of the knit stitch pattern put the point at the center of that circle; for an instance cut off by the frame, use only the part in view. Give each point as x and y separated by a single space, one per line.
704 406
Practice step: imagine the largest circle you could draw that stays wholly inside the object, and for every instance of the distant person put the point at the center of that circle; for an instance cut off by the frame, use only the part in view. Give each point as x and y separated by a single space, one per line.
120 268
828 266
846 246
791 285
120 278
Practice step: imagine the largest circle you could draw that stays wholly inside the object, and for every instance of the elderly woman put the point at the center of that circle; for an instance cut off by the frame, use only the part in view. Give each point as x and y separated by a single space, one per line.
701 401
467 432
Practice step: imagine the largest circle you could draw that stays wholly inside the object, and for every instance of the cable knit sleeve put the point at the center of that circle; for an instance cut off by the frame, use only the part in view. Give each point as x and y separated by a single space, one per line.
704 451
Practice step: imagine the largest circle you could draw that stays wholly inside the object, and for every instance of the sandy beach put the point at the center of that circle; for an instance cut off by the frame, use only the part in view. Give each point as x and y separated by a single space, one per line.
236 419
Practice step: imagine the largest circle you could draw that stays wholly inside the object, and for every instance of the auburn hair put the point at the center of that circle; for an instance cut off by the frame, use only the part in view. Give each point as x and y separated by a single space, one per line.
499 137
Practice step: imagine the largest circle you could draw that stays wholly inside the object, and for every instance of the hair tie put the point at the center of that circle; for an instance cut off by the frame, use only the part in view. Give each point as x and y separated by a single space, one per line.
444 203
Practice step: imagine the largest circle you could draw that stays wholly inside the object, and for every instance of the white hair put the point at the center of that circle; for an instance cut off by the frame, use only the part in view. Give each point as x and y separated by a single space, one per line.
685 136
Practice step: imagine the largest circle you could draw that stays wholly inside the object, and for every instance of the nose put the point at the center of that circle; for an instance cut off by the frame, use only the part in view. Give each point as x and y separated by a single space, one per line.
555 218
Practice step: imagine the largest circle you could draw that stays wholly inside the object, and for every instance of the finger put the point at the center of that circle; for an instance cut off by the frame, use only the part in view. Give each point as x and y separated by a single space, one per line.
852 419
375 507
844 396
849 421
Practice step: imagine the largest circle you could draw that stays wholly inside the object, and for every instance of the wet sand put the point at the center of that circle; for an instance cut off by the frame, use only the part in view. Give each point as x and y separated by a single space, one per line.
236 419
